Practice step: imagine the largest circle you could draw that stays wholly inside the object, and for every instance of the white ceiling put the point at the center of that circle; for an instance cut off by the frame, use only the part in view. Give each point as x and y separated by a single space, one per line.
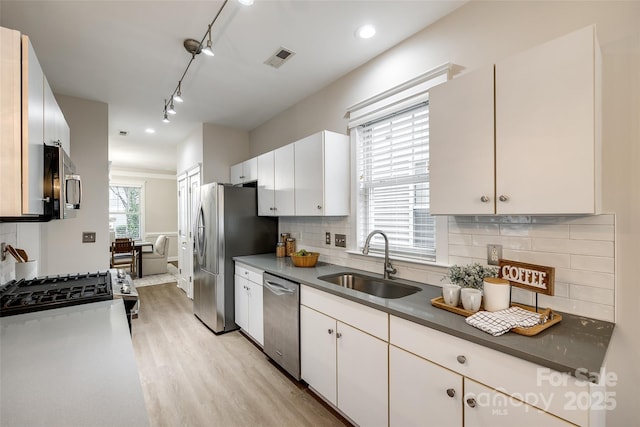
129 54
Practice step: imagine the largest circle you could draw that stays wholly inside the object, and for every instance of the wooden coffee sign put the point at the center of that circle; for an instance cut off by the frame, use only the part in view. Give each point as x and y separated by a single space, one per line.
533 277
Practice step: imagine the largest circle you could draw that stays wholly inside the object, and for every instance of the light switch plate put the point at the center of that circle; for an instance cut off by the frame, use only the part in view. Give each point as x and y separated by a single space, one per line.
327 238
88 237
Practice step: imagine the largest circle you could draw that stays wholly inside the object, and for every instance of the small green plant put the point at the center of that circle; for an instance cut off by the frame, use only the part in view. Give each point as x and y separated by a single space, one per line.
470 276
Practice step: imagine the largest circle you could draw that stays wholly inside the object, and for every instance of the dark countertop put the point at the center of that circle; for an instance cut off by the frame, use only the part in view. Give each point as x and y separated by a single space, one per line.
575 345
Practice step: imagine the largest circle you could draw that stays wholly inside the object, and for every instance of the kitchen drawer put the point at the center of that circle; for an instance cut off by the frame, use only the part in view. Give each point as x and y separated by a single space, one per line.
552 391
250 273
365 318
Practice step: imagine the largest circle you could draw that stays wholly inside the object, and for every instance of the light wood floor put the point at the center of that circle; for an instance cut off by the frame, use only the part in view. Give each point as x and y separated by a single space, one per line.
192 377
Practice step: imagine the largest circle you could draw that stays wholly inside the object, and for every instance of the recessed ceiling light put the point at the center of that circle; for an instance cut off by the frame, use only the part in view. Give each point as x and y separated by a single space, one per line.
245 2
150 130
366 31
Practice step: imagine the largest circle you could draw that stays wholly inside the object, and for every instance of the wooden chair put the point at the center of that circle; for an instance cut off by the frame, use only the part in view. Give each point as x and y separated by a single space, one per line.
123 254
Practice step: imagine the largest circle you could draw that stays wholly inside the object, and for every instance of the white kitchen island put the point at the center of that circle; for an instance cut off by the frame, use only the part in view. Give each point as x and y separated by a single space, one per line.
71 366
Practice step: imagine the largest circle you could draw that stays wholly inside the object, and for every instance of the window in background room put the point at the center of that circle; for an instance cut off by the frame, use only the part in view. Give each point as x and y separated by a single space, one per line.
393 158
125 211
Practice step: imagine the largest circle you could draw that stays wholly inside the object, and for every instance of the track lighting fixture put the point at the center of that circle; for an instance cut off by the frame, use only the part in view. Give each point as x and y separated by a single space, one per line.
171 110
178 96
194 48
207 50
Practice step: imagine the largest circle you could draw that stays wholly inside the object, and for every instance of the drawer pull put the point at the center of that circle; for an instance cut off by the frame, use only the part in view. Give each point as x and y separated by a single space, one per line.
472 402
451 392
503 198
330 331
484 199
461 359
339 335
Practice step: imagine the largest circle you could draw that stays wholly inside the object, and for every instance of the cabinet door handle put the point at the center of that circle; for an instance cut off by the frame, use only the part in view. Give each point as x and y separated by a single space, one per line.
330 331
319 207
461 359
503 198
451 392
338 335
484 199
472 402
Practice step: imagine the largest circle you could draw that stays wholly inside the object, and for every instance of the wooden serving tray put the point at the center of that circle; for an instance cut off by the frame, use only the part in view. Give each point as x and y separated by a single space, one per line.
552 317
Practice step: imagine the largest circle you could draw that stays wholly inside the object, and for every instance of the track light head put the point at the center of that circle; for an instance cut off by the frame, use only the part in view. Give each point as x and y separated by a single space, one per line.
178 96
207 50
166 118
171 110
245 2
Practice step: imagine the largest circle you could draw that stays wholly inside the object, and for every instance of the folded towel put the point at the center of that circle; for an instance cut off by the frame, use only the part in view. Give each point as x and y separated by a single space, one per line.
500 322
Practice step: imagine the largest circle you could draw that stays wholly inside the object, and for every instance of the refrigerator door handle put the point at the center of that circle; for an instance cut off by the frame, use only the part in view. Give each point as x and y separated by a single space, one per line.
277 288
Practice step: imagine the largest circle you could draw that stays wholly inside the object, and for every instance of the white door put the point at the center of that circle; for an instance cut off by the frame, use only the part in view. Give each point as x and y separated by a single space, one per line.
318 352
422 393
484 406
194 202
362 376
183 233
188 199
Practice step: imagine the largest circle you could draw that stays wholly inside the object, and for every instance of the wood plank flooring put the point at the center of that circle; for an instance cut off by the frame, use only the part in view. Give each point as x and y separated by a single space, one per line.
192 377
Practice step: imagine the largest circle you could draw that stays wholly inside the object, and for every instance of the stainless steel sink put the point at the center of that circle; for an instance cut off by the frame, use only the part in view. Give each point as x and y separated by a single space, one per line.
371 285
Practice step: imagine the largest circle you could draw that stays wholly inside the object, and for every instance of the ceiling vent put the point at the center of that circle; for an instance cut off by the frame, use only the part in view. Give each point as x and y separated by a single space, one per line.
281 56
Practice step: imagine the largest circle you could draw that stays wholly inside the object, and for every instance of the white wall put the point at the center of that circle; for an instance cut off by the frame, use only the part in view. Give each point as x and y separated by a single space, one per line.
480 33
189 151
222 147
65 252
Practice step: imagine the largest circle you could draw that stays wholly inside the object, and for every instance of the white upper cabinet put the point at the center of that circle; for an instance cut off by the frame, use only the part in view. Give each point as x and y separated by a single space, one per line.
30 117
546 139
246 171
322 175
275 182
461 145
10 123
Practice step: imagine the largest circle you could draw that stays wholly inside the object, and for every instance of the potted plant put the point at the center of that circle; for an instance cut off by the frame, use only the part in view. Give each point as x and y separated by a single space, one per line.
470 275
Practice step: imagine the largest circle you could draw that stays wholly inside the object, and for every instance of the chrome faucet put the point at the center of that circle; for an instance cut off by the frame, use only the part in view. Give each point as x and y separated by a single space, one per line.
388 268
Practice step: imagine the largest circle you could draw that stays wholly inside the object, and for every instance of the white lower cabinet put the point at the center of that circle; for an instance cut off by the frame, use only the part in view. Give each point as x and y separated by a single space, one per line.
318 362
499 389
348 367
248 301
422 393
484 406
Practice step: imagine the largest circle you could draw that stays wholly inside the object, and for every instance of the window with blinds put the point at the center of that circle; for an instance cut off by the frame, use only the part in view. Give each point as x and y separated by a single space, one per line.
393 158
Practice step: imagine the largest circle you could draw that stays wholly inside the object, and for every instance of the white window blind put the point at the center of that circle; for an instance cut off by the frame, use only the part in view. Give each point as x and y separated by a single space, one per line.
393 158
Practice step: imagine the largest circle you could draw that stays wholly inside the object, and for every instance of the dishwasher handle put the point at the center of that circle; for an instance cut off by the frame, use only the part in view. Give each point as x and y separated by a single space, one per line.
277 288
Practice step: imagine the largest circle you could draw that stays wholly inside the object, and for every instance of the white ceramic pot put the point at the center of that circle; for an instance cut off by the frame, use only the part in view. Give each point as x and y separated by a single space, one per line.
471 299
451 294
497 294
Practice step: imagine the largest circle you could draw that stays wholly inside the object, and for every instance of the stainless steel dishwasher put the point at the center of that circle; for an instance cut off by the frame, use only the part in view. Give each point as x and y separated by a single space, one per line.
281 303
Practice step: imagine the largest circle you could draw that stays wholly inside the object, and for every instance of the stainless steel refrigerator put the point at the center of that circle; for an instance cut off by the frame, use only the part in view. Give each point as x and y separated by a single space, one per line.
227 225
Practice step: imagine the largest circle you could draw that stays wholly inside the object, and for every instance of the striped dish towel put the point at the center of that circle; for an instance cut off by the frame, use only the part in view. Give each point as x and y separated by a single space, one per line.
500 322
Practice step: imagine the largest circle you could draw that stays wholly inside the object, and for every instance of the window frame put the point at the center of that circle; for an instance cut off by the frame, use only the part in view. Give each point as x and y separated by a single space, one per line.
141 211
393 100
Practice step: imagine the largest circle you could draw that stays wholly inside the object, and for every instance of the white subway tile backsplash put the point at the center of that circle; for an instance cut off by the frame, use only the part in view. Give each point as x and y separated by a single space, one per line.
587 293
550 245
592 232
581 248
592 247
586 278
592 263
557 260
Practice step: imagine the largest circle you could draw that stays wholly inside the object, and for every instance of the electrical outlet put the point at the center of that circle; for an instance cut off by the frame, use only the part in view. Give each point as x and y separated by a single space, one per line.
88 237
327 238
341 240
494 253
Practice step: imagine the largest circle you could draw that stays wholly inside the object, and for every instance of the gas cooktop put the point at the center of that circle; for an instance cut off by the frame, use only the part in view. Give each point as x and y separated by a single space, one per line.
24 296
